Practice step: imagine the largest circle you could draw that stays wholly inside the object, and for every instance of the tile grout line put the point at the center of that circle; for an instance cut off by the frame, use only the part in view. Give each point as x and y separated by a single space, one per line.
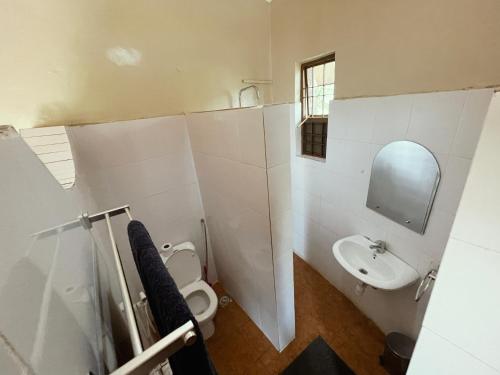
461 349
488 249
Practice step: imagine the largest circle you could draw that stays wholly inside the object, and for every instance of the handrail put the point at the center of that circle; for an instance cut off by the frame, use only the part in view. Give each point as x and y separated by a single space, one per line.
84 220
159 351
425 284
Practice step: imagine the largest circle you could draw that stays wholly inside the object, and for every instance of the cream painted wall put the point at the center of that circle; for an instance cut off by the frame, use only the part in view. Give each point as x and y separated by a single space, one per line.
388 47
54 67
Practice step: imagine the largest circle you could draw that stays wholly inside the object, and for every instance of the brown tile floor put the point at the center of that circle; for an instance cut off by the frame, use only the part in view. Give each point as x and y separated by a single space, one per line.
238 346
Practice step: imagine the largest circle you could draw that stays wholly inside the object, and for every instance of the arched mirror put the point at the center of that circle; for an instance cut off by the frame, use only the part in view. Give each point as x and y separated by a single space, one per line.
403 184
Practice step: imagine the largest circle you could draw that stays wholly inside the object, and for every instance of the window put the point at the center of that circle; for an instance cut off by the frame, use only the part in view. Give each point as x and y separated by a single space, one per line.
51 145
317 90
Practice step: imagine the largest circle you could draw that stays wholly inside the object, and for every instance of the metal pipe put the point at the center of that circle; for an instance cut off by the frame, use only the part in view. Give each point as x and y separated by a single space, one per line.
84 217
257 81
127 304
127 211
247 88
425 284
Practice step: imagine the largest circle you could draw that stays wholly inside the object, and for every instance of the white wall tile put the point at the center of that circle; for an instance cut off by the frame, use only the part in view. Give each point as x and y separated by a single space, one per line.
251 137
435 355
346 223
218 133
34 272
131 181
452 183
351 119
307 176
478 220
463 311
344 191
278 124
433 242
318 251
283 269
201 132
464 287
435 118
262 272
306 204
302 224
252 188
277 131
101 146
471 123
239 188
391 118
279 189
148 164
155 137
349 158
225 133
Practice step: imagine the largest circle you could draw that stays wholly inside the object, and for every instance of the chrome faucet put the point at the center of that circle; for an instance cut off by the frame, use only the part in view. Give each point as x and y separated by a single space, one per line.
379 246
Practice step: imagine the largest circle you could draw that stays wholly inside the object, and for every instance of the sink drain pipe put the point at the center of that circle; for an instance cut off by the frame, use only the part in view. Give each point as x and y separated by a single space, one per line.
360 289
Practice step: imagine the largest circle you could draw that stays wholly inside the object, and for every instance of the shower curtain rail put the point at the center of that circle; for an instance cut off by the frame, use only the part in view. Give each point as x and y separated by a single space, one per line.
158 353
144 360
85 220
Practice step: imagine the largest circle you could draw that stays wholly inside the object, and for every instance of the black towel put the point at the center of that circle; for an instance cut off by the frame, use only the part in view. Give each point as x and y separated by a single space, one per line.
167 304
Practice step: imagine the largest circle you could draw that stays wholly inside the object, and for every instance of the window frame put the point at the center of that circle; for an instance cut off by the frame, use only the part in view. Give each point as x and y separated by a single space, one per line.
304 103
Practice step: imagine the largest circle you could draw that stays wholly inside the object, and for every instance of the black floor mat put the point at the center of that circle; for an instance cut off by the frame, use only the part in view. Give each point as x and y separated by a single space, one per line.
318 359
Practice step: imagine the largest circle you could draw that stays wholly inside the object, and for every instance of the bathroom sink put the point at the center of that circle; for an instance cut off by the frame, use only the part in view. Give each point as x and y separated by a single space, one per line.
382 271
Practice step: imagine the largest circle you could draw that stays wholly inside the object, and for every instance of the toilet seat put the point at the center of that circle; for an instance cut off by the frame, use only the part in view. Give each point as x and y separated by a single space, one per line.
209 311
185 268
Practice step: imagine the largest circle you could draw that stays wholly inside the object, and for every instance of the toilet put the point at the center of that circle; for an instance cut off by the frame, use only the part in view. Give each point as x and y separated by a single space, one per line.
184 265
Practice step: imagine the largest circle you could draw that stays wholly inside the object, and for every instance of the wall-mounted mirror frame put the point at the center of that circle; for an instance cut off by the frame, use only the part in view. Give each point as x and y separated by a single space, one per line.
403 184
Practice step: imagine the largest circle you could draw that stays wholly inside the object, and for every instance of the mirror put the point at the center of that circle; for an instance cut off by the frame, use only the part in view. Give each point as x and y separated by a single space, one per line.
403 184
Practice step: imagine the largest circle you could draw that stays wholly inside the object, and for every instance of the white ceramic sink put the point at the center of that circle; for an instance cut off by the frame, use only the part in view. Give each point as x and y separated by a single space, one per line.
383 271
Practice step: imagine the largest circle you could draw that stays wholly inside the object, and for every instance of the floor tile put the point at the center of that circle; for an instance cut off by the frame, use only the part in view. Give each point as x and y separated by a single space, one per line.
239 347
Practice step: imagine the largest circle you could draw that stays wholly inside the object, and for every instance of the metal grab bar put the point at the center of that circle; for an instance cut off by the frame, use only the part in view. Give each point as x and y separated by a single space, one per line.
159 351
425 284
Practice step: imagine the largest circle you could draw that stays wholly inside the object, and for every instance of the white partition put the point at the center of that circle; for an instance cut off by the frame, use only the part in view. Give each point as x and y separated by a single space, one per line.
277 120
460 333
148 163
47 286
237 184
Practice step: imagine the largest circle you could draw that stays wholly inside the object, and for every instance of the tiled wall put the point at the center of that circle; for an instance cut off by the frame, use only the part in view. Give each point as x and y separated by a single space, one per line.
460 333
148 164
230 149
277 120
329 197
47 313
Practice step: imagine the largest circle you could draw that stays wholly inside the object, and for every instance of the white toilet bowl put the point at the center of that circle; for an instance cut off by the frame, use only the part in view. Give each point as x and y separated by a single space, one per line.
184 265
